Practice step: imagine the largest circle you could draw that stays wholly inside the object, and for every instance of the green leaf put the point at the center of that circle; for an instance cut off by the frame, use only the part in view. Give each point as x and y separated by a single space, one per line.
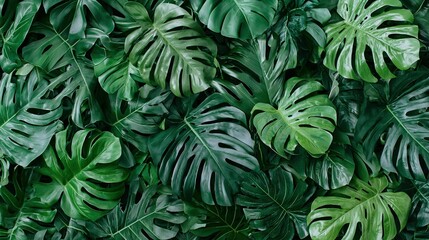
276 205
4 170
333 170
421 203
74 12
207 149
171 50
217 222
304 117
364 28
16 34
30 109
87 178
136 120
236 18
115 73
55 52
401 121
147 216
364 209
253 72
22 214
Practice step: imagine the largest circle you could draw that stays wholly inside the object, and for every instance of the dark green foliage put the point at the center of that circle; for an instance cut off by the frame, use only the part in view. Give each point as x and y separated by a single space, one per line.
214 119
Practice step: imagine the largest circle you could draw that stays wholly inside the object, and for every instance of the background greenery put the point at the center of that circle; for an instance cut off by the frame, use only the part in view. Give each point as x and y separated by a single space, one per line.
216 119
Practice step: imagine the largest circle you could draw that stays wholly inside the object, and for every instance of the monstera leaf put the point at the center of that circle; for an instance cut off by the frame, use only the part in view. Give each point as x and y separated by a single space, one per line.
146 216
362 208
334 169
87 178
54 52
15 35
275 205
217 222
253 71
401 121
74 12
304 117
236 18
30 112
363 28
207 150
171 48
136 120
115 73
22 214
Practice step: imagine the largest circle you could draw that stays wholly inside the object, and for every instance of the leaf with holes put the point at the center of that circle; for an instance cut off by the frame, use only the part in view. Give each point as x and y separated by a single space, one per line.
236 18
30 110
85 174
253 71
17 32
23 214
403 122
364 209
136 120
217 222
304 116
363 27
171 50
207 150
146 216
276 205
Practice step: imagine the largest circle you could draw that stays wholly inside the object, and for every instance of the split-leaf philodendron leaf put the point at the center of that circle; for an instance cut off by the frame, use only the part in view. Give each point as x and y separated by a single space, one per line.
214 119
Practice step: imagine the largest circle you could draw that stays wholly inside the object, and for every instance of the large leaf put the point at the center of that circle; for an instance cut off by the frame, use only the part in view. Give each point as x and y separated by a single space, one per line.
146 216
74 12
363 209
253 72
30 109
171 50
402 122
304 116
136 120
21 214
364 28
86 177
55 52
236 18
16 34
207 150
217 222
276 205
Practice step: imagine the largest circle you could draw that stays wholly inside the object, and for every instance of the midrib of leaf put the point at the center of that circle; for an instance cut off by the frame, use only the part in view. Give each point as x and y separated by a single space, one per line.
175 50
119 120
291 125
272 199
70 47
377 195
212 155
139 220
244 15
420 193
406 129
91 164
224 220
36 97
357 28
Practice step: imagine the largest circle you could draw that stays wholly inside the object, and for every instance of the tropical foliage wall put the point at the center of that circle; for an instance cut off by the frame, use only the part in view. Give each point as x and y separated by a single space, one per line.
216 119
